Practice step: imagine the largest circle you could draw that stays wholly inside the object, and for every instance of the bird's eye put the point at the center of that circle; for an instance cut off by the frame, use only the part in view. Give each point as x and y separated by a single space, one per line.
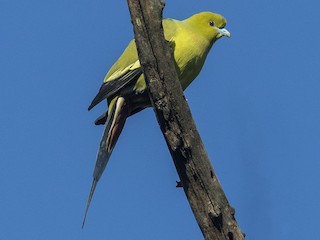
211 23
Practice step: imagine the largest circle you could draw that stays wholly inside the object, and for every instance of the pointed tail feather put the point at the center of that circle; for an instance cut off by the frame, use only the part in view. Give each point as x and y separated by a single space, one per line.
114 125
93 187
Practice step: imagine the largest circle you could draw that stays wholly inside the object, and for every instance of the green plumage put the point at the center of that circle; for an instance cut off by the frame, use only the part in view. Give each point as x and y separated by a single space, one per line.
124 86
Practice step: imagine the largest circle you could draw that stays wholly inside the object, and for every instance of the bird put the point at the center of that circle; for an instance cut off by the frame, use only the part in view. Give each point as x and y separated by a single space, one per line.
124 86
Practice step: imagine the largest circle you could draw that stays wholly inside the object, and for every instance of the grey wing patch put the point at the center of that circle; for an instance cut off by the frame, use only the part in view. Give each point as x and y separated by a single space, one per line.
109 88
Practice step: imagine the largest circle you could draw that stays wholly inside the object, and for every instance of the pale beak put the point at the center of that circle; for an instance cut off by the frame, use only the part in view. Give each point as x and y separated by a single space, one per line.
224 32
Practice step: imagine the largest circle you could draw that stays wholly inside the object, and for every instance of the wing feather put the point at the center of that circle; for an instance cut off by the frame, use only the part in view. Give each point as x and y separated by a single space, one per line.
110 88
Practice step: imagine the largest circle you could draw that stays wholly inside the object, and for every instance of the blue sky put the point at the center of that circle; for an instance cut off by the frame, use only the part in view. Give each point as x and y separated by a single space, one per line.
256 105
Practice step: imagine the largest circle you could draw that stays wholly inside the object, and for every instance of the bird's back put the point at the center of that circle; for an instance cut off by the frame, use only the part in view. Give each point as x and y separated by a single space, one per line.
189 50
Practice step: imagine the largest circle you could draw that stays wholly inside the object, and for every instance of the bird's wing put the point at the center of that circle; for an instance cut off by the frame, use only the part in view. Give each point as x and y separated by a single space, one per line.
116 82
127 68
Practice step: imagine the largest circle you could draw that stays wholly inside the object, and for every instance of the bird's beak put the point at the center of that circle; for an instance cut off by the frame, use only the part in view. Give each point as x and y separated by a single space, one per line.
223 32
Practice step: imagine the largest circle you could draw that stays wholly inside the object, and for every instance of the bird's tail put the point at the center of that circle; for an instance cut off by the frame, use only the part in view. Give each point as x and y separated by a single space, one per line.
118 113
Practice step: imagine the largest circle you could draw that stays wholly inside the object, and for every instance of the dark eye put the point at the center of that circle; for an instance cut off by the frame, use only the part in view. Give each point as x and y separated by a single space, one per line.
211 23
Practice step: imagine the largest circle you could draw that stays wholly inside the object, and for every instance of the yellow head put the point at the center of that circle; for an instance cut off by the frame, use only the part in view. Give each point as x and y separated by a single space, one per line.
210 25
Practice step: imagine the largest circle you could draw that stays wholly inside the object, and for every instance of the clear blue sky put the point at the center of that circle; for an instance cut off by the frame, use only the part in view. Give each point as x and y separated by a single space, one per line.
256 104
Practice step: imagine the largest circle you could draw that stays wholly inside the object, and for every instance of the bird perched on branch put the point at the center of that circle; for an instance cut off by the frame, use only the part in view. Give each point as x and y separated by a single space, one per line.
124 86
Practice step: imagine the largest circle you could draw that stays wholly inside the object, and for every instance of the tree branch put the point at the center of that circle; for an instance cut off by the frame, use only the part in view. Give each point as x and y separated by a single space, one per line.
205 195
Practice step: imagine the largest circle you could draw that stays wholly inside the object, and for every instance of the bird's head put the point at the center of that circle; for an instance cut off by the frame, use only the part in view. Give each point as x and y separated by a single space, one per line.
210 25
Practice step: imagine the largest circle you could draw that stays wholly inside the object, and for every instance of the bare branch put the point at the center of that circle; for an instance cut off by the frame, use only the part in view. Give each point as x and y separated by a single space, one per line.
206 197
